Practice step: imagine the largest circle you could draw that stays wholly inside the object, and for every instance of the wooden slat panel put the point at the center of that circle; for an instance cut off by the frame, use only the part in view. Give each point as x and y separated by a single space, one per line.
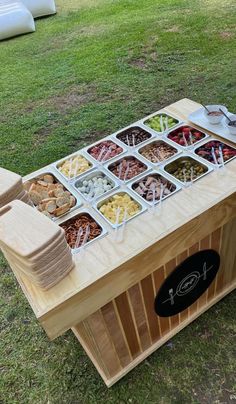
133 306
85 337
126 319
148 295
111 380
228 251
215 245
193 250
136 301
159 276
169 267
221 273
204 245
180 258
114 329
104 343
216 240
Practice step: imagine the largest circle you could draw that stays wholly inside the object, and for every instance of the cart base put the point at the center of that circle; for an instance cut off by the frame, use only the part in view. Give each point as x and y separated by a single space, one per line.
83 339
126 330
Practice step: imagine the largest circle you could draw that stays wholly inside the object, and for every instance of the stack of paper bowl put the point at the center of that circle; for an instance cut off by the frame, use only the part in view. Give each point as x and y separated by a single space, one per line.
34 245
11 187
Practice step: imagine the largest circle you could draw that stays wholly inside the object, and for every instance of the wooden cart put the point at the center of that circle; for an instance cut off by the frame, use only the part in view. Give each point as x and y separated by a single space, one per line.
108 299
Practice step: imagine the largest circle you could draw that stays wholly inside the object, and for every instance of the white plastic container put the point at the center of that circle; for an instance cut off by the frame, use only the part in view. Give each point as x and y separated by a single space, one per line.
215 119
15 19
39 8
232 129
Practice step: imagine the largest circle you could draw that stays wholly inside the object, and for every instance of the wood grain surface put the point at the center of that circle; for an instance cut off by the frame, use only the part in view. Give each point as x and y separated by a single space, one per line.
109 269
126 331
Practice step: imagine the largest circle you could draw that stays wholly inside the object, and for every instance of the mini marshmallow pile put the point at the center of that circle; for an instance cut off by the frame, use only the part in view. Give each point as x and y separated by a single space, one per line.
95 187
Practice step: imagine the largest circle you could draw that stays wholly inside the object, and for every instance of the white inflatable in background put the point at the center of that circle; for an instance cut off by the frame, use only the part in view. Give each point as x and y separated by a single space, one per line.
39 8
15 19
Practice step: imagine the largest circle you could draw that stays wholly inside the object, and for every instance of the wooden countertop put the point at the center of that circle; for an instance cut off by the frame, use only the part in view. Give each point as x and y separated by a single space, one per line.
108 268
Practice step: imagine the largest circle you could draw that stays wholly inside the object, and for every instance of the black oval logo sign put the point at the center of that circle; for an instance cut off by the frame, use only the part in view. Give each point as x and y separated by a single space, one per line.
187 283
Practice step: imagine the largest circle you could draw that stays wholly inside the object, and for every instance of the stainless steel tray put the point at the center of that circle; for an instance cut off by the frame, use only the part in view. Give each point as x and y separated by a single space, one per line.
101 162
84 211
125 131
65 184
155 174
184 157
126 156
163 113
159 140
95 173
189 147
213 140
59 163
102 201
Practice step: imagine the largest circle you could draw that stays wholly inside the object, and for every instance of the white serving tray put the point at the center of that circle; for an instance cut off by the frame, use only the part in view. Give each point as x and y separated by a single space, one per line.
221 129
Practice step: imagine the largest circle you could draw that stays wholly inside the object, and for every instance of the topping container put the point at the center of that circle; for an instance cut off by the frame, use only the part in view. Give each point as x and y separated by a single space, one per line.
133 136
78 168
127 168
160 122
176 166
140 206
183 135
143 187
105 150
158 151
204 151
89 177
71 228
47 197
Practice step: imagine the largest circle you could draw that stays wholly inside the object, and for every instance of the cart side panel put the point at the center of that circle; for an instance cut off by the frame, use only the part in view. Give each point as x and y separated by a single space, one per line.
127 330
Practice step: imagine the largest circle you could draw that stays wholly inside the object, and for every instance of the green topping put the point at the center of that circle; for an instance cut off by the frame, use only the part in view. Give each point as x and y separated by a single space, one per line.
161 122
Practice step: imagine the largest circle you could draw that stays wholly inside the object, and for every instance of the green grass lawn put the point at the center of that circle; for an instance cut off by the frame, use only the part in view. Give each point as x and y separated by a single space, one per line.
95 67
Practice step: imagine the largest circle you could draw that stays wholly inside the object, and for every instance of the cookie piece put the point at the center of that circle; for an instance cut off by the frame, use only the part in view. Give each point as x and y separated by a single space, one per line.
48 178
62 209
62 200
72 201
35 197
51 206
